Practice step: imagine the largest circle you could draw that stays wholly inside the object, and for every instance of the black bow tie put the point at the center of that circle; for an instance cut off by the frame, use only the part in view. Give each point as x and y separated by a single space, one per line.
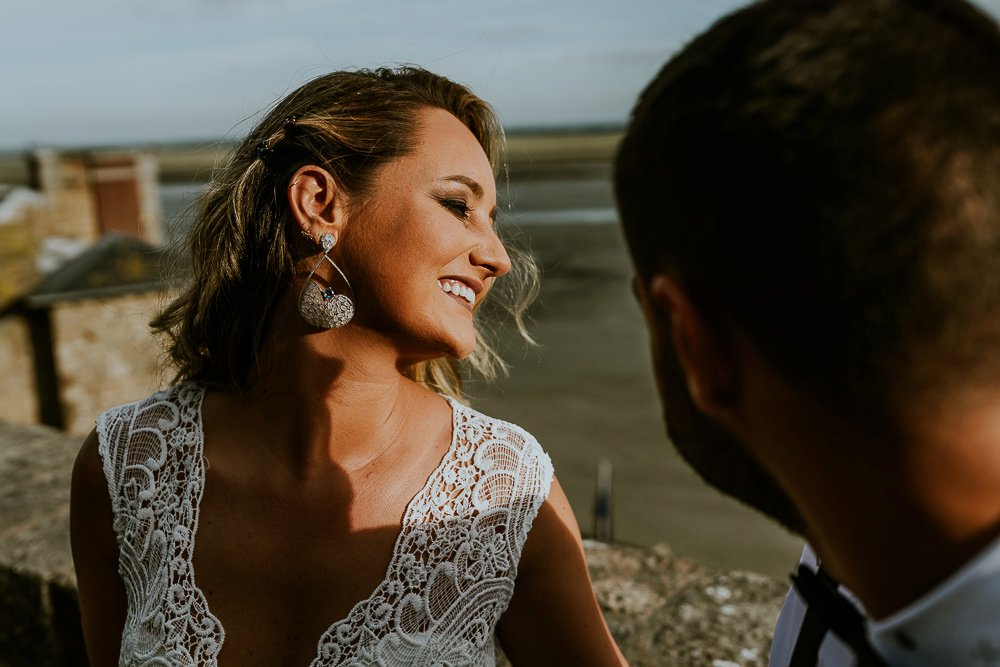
828 610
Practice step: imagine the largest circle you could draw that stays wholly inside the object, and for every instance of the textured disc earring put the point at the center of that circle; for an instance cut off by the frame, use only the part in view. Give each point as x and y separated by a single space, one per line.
321 306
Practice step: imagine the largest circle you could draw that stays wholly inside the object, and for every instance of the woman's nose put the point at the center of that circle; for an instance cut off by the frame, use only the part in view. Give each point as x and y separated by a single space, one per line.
491 254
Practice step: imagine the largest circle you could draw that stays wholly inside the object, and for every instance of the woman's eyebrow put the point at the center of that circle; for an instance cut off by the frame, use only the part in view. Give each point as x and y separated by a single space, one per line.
470 183
474 186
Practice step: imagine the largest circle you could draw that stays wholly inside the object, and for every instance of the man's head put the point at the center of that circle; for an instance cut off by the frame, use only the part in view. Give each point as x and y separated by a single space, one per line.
823 177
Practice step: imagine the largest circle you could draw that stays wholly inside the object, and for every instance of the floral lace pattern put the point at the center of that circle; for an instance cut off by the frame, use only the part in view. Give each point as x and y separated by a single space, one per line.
450 577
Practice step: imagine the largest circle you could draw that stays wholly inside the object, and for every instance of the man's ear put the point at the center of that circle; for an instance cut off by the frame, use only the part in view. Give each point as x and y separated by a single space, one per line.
703 347
317 202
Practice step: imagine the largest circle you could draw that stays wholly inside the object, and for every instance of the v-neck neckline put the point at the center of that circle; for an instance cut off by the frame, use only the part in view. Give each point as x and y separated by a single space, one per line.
199 429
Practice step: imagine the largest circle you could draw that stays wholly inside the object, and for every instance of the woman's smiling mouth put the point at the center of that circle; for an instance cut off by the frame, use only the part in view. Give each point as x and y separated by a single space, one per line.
458 288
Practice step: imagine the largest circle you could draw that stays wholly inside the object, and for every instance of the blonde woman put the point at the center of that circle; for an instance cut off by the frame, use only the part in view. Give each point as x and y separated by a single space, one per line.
348 507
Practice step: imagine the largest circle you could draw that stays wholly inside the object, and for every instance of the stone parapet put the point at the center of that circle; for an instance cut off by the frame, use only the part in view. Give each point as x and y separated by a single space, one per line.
668 610
39 616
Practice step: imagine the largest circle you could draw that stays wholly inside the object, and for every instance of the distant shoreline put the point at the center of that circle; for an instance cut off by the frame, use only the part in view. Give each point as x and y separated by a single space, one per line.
535 151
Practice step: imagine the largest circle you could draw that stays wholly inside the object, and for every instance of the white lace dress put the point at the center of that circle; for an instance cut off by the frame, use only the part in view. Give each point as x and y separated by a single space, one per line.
450 577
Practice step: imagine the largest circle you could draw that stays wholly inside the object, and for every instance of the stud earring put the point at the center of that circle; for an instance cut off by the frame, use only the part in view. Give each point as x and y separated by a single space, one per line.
321 306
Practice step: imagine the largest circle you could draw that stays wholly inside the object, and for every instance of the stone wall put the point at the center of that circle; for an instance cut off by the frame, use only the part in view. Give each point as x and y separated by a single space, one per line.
63 180
18 249
105 355
663 610
18 401
93 192
673 611
39 616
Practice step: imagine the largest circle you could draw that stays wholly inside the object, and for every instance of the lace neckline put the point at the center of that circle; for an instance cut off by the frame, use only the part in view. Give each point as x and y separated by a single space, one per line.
198 427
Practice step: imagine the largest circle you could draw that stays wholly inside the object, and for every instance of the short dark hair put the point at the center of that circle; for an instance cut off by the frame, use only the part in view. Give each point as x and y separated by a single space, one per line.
826 174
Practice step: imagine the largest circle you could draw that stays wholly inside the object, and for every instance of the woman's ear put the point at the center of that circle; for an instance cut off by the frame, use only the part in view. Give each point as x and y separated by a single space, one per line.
704 350
317 202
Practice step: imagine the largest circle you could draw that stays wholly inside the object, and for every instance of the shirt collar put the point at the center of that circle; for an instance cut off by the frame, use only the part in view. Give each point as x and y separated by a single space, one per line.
956 623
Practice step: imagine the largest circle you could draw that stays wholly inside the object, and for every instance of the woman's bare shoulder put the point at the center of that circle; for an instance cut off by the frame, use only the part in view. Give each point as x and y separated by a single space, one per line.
88 474
95 555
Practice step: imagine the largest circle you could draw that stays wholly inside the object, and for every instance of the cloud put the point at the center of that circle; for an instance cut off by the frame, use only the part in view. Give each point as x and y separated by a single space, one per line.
114 71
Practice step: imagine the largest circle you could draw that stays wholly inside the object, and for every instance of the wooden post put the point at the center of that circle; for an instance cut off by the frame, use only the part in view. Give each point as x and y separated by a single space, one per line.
43 351
603 509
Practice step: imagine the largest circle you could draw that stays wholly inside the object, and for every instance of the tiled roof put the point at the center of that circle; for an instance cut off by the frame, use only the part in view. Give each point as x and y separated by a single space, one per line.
115 264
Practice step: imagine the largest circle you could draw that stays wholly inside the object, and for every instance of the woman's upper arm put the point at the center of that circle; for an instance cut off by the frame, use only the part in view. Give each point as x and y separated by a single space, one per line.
95 557
553 617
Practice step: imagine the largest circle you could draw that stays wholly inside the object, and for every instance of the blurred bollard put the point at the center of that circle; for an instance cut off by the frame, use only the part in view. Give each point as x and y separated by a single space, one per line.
603 519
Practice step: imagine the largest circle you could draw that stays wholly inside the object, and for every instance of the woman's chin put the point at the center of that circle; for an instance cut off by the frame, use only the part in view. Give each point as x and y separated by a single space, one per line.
457 349
460 349
461 344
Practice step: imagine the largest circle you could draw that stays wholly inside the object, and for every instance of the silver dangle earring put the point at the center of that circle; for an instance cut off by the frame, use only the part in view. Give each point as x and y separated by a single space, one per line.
321 306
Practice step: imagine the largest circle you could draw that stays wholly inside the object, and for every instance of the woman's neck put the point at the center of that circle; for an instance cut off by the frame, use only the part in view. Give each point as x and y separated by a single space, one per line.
334 397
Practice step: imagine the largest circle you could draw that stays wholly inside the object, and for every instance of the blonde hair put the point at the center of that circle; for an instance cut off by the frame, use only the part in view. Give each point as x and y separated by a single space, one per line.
241 248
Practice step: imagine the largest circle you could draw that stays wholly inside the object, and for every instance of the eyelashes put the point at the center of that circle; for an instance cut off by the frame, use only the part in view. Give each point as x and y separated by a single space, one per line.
459 207
462 209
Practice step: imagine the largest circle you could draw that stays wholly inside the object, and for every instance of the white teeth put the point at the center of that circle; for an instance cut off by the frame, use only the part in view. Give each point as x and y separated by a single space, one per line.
458 289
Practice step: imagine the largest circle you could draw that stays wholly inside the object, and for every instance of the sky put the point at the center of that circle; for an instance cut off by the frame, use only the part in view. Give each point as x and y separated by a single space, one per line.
115 72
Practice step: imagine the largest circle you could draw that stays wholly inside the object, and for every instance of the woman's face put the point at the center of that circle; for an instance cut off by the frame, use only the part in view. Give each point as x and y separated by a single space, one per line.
424 250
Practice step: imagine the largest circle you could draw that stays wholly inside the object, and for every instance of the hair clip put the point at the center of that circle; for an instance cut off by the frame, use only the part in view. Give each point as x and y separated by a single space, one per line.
290 122
264 152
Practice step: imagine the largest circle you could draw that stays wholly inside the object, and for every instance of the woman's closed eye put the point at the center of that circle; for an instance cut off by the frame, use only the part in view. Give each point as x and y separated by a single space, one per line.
459 207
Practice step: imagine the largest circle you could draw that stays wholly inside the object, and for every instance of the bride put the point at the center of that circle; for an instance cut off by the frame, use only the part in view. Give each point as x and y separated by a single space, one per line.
312 490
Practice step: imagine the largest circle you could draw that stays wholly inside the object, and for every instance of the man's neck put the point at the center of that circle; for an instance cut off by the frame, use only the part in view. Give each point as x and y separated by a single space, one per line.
890 516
